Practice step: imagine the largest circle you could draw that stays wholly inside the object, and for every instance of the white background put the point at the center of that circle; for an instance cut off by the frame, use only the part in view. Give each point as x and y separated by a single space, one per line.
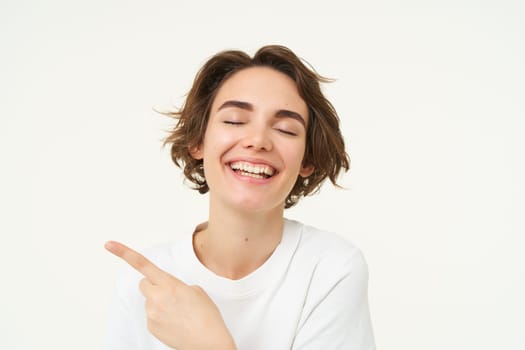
431 97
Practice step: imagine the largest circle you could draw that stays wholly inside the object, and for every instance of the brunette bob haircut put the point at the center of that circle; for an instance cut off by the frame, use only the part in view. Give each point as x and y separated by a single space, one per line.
325 148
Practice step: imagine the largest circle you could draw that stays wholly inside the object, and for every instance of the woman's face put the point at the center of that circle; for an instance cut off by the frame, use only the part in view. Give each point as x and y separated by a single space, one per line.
255 140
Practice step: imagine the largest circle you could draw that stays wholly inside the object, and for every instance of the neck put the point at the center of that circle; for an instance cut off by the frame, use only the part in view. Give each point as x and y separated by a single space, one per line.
233 244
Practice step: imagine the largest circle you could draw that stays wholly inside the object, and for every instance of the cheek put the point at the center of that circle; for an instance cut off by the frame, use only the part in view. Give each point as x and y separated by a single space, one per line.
216 143
295 155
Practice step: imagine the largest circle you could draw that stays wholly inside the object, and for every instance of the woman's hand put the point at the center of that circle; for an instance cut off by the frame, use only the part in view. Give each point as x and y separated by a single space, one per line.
181 316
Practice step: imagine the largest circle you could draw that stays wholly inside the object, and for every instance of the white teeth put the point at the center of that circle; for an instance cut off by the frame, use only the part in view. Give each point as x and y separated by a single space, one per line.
251 169
255 176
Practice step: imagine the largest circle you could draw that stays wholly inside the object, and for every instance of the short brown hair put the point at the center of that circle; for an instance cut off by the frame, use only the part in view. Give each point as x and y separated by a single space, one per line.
325 148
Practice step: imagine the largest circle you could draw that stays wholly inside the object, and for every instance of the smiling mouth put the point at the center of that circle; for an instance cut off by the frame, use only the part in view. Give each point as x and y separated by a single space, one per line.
252 170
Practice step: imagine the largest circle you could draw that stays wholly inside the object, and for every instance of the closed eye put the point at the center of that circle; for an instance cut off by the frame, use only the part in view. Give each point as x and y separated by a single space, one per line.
287 132
231 122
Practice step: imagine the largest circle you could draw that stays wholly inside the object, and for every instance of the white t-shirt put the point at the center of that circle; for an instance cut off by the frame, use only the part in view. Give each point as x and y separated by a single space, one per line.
311 293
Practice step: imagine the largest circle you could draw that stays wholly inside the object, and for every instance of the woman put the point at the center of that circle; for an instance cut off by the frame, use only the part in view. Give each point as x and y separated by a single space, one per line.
257 134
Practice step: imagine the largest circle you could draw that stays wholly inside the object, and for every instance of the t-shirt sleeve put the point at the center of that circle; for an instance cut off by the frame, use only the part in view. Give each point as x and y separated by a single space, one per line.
336 314
122 332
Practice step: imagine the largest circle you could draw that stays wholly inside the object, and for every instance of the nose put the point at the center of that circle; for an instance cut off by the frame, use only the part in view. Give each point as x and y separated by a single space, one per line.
257 138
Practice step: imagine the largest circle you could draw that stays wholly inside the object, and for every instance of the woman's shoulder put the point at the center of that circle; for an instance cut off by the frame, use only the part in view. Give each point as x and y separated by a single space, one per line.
328 248
329 262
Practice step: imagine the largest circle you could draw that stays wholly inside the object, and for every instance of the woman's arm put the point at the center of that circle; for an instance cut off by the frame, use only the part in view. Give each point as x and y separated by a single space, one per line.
337 314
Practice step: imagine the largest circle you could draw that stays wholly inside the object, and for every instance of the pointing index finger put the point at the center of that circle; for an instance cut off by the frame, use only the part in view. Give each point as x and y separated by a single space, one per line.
138 262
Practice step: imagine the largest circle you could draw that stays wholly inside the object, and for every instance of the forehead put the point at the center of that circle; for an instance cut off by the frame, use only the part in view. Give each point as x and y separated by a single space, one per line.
263 87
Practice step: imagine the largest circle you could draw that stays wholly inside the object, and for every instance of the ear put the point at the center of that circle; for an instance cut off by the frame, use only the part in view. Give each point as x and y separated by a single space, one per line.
306 170
196 151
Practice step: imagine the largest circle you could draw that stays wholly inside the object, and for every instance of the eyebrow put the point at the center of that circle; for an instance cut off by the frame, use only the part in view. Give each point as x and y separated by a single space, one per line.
282 113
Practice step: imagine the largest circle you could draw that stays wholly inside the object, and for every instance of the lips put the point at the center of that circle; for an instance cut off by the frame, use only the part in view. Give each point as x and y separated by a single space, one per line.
258 171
